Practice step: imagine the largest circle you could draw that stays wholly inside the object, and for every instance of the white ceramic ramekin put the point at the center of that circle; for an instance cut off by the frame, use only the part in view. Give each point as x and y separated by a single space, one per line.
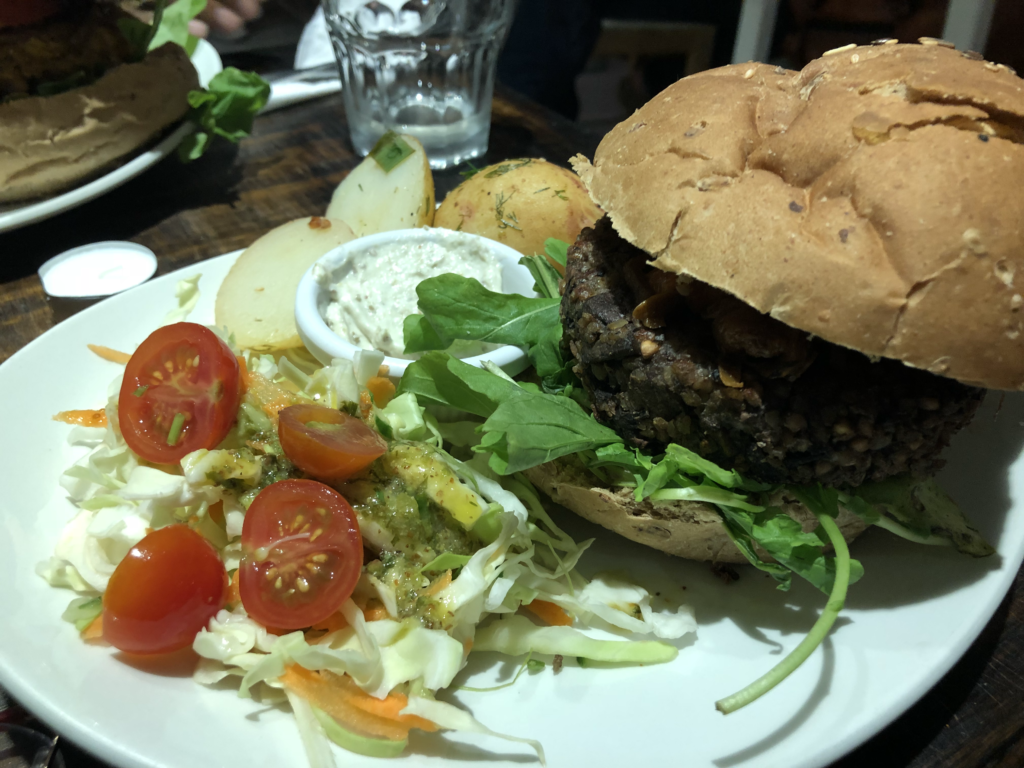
312 298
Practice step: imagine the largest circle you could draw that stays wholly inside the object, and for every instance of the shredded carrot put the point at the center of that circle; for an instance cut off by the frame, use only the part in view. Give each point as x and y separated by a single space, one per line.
87 418
110 354
332 623
376 613
350 705
439 584
232 596
549 613
95 629
365 404
267 395
373 610
382 390
383 370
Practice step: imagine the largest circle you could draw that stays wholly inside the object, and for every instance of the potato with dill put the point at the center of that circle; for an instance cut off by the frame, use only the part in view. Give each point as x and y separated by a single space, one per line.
520 203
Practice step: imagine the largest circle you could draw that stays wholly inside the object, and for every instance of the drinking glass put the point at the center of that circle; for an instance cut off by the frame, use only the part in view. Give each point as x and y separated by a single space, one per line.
422 67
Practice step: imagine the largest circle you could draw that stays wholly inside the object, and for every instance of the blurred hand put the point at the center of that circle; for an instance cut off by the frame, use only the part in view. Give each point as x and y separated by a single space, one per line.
226 17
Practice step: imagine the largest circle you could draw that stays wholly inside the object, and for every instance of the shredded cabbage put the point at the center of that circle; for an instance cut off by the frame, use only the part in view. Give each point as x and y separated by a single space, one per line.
525 557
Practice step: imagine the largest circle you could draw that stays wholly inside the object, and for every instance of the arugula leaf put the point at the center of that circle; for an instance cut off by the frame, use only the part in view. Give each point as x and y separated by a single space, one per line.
618 455
439 378
745 543
818 499
523 428
226 108
557 250
138 33
679 460
459 307
784 539
844 576
546 358
531 428
545 277
420 335
707 492
923 510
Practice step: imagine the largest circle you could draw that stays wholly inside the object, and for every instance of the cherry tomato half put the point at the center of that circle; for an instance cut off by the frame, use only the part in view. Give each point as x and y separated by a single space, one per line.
326 443
301 554
163 592
180 393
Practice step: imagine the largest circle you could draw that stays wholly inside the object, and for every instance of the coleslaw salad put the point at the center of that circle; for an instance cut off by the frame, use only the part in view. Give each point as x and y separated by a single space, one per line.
524 559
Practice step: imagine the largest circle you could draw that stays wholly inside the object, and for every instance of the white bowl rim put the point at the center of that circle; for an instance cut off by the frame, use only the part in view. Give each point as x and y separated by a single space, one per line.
326 345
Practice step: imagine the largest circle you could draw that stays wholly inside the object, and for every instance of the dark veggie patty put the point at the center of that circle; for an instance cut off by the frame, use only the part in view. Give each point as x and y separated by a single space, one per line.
669 359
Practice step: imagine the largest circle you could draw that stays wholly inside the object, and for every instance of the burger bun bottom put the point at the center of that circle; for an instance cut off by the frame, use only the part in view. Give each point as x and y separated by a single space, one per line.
688 529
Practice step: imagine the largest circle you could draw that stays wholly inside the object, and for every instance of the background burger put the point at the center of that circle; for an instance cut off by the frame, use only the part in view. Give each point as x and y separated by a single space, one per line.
79 91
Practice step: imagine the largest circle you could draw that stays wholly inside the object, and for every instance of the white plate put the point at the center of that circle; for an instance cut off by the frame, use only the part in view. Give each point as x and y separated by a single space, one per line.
911 617
207 63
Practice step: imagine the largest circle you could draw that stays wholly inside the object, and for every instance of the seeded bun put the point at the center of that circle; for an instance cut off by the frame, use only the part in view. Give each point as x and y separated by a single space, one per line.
689 529
872 199
49 143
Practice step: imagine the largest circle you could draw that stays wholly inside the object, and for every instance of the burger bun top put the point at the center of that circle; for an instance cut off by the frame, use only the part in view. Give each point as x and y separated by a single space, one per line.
871 199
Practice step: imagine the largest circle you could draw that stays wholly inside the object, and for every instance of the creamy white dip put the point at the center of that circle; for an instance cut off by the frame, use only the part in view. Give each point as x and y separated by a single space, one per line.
374 290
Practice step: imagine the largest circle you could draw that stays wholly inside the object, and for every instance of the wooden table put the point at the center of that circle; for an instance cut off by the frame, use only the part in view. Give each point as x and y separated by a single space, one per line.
973 718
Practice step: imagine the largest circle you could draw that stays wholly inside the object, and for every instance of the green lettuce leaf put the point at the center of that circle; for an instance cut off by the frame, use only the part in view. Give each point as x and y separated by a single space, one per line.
172 25
226 108
169 25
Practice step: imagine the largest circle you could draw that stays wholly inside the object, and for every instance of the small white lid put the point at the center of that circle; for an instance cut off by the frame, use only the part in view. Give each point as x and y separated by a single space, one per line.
97 270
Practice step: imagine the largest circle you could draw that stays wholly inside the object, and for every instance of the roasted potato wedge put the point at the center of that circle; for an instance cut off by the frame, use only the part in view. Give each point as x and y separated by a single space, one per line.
256 301
391 189
520 203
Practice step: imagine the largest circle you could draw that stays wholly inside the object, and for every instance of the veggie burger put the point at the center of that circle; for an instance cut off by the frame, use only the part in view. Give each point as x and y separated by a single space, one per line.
807 277
79 91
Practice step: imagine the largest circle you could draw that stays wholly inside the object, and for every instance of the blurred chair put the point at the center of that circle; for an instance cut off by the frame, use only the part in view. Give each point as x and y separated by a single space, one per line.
967 22
637 40
633 60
